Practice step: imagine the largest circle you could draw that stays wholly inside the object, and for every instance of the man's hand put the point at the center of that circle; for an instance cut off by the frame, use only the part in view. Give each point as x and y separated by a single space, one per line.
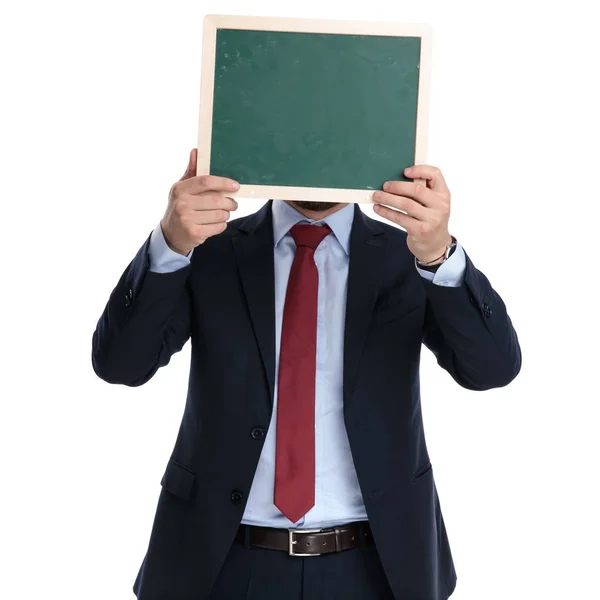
197 208
427 210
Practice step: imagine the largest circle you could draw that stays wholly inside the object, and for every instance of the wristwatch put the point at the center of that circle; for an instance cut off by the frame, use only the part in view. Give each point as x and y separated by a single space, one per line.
450 248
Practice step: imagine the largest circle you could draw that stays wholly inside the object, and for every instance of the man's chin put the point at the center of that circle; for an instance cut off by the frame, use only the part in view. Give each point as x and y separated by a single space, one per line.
315 206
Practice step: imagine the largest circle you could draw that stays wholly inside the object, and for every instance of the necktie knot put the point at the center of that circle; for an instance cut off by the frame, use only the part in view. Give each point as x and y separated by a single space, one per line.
309 235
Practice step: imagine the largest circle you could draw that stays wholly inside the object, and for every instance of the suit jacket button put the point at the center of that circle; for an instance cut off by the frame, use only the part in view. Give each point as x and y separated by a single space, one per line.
487 311
236 496
257 433
127 300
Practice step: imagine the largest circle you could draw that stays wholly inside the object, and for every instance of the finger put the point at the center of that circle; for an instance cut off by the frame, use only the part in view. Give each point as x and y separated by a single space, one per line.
209 183
416 191
408 205
191 168
210 217
433 176
411 225
211 202
211 229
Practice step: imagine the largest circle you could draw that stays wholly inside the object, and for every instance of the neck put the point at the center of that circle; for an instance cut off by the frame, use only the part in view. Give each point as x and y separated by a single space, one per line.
315 215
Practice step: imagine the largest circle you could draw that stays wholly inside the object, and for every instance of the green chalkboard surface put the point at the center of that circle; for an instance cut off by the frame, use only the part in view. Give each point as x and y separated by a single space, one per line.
313 110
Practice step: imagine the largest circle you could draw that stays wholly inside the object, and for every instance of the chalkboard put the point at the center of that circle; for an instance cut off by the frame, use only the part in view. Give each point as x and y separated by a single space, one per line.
312 110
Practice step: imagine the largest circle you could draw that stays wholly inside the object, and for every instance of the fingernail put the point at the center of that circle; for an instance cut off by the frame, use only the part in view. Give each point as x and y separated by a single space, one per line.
376 195
235 185
386 185
408 170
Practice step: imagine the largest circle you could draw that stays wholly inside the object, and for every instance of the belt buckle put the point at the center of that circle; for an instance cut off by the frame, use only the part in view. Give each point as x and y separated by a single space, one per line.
292 542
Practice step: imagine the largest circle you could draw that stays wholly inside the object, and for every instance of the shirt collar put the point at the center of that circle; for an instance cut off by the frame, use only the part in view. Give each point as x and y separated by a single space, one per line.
286 216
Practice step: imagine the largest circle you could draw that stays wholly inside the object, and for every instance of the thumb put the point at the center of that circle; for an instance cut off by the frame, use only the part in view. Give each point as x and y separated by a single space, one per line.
191 168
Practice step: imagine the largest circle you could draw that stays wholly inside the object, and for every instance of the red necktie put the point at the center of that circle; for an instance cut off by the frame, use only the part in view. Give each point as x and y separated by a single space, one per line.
295 454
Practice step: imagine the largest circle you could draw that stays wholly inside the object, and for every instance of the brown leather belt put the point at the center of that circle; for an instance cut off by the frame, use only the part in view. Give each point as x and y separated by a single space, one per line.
307 542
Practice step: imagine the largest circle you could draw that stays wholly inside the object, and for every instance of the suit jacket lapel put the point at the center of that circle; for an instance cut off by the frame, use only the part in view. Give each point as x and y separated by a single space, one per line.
253 247
367 247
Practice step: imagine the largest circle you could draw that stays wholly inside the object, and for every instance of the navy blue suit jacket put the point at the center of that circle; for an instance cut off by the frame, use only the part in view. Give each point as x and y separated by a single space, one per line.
224 302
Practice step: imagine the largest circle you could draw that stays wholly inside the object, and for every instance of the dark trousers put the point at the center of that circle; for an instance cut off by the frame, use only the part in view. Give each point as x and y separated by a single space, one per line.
259 574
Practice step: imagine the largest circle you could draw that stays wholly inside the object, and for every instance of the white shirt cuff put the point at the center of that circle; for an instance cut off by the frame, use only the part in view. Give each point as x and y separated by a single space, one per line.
451 273
162 258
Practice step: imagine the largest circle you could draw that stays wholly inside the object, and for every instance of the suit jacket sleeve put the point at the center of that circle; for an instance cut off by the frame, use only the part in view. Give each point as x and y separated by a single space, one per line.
146 320
470 333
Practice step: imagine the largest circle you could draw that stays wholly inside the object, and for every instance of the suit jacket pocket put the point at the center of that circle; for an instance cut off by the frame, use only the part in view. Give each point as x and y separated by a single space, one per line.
179 480
393 312
422 471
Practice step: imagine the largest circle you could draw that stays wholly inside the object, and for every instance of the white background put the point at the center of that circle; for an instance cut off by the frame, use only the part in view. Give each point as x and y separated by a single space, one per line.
99 111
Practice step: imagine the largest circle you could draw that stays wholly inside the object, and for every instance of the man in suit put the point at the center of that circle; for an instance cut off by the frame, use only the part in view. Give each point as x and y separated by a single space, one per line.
300 470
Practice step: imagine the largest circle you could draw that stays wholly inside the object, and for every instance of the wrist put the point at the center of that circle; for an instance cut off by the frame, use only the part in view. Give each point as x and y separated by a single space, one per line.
171 246
433 258
431 263
178 250
436 257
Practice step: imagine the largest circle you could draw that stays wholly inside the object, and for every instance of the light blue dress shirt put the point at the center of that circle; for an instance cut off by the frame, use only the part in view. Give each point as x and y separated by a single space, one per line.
338 498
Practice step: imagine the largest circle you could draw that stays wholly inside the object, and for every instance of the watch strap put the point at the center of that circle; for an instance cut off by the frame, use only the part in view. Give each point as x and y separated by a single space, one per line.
449 252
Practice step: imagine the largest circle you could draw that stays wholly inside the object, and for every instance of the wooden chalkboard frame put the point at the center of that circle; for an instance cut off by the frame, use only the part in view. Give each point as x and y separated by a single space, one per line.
214 22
